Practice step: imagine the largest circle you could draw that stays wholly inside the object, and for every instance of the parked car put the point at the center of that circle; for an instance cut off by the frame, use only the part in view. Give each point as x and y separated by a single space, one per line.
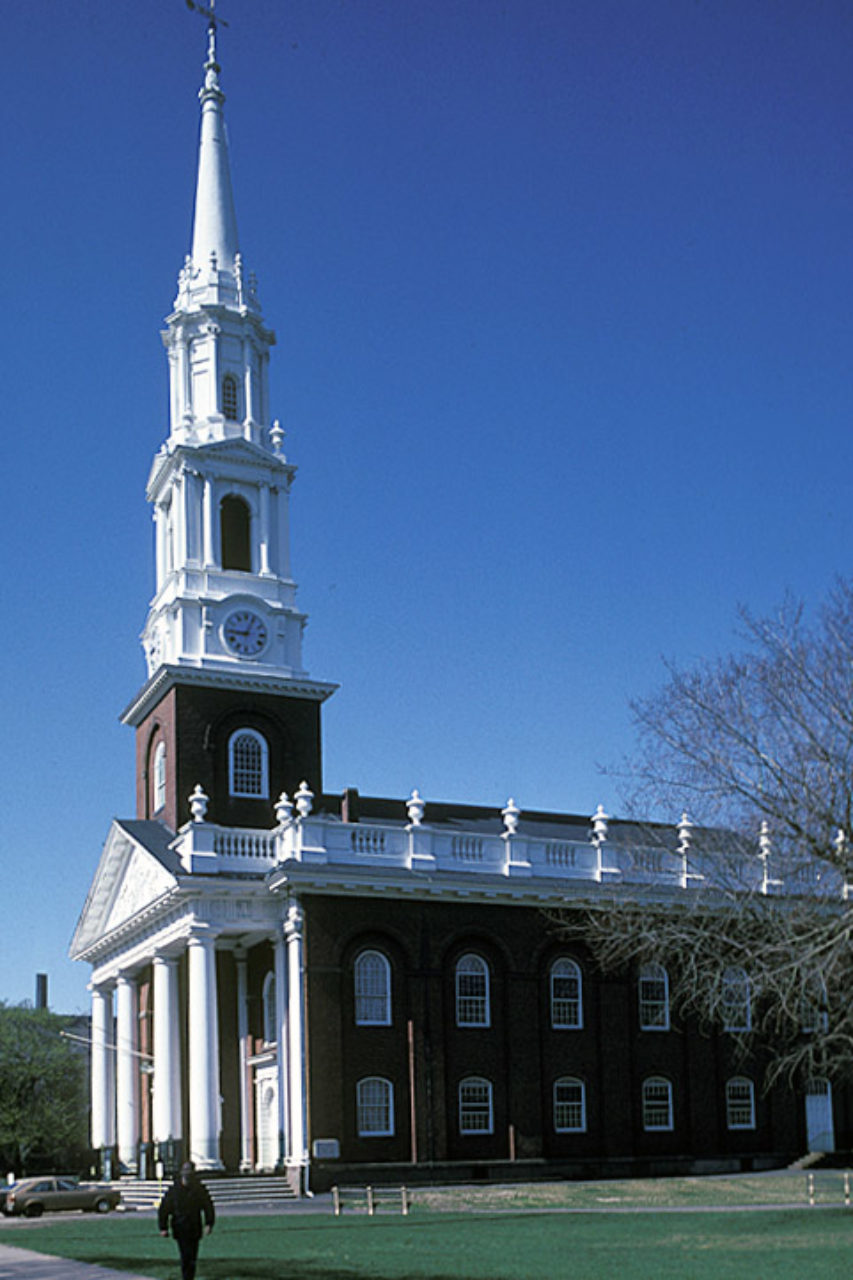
34 1196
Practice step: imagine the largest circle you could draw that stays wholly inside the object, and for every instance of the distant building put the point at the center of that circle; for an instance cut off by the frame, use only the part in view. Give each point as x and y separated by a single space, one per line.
345 985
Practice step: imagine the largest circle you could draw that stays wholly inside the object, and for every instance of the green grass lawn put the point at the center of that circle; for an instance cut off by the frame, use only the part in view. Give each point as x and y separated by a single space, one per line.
777 1244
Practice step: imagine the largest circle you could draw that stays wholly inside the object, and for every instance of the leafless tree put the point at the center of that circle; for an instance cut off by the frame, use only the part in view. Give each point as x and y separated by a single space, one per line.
758 748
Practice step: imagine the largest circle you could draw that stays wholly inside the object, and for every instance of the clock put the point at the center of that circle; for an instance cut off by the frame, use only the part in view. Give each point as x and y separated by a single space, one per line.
245 633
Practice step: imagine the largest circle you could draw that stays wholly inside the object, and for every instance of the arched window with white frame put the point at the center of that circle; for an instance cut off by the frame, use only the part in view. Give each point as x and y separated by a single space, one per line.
248 764
372 982
566 994
657 1104
268 1001
569 1105
476 1113
230 398
374 1107
740 1103
159 776
653 991
472 992
736 1002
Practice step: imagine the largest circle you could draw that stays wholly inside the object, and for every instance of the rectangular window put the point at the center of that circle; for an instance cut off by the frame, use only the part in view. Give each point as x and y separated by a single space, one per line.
569 1106
475 1106
740 1104
657 1104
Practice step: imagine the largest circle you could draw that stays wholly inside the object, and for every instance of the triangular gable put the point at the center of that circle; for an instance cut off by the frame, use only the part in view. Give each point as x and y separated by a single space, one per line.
129 877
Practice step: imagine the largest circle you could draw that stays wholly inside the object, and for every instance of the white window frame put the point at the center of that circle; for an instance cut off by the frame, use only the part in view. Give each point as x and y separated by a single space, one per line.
476 1107
372 988
814 1016
657 1105
374 1107
473 1006
263 790
566 1010
269 1007
737 1000
159 771
566 1109
740 1103
653 997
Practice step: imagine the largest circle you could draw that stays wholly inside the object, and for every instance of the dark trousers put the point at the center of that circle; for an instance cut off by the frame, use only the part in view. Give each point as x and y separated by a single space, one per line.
188 1246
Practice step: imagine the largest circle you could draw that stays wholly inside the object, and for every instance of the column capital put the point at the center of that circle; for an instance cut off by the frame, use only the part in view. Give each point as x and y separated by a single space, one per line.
294 920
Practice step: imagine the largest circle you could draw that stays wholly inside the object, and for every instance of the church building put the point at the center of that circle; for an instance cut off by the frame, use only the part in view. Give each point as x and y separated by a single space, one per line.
337 986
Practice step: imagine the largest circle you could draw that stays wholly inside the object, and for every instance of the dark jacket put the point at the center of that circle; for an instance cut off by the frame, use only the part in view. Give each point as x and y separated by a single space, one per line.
185 1206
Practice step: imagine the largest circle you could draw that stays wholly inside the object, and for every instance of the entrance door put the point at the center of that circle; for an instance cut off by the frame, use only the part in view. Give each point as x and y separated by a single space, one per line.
266 1117
820 1129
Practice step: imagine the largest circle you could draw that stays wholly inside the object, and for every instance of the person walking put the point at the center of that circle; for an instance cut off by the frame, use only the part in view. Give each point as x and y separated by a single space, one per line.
185 1204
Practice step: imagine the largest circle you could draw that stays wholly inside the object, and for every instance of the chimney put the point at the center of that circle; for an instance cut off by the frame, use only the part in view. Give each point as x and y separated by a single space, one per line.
41 990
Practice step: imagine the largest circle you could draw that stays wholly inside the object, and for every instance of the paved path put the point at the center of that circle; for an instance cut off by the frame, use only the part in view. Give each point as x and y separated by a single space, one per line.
23 1264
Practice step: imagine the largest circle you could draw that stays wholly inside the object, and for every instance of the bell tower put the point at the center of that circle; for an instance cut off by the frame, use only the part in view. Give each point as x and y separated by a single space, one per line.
223 635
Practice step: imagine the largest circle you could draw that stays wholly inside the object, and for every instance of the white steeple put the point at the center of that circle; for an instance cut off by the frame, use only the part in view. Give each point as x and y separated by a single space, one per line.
224 606
215 224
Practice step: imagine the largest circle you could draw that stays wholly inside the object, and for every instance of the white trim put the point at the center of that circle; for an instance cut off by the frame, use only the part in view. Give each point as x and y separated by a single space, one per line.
372 1000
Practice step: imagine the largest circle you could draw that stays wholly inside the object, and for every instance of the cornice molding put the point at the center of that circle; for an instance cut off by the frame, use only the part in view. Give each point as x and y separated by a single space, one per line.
169 676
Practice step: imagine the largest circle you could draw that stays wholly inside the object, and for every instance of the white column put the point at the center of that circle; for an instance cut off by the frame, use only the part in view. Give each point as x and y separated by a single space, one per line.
127 1073
103 1069
282 502
166 1109
280 963
203 1053
248 399
246 1161
264 539
179 522
296 1035
209 547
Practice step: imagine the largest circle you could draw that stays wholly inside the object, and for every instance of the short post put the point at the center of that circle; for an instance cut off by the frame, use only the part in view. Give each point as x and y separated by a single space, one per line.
810 1184
404 1202
847 1190
336 1201
370 1205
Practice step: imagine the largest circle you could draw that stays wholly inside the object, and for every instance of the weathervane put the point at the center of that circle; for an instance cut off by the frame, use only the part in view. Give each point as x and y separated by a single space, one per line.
210 13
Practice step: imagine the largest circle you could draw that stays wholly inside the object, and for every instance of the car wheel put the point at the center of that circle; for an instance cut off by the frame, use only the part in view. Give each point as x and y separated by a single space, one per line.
103 1205
34 1210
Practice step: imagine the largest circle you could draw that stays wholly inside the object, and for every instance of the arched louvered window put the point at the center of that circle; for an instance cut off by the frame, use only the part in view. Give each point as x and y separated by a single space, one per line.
736 1003
566 992
476 1115
230 402
657 1103
654 998
374 1107
372 980
472 992
268 999
248 767
159 776
740 1103
235 525
569 1105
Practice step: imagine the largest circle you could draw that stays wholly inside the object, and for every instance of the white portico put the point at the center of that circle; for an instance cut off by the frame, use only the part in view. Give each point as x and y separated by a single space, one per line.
169 950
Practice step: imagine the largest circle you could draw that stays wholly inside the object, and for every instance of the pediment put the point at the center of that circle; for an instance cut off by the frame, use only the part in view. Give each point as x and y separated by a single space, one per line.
131 876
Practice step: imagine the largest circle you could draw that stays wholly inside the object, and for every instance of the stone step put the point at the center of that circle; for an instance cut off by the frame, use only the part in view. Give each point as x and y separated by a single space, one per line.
139 1194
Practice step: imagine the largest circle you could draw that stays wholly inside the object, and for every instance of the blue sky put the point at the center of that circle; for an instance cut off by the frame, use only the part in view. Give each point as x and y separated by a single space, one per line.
562 293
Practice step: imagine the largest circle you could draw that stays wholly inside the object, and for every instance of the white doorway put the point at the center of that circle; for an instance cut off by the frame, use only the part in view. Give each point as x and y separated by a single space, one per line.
266 1117
820 1130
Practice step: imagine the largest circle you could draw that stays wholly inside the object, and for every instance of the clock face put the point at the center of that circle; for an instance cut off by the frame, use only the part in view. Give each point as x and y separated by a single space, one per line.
245 633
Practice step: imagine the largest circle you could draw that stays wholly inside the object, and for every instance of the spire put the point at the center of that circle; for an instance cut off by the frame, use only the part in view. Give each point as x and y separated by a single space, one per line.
215 224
